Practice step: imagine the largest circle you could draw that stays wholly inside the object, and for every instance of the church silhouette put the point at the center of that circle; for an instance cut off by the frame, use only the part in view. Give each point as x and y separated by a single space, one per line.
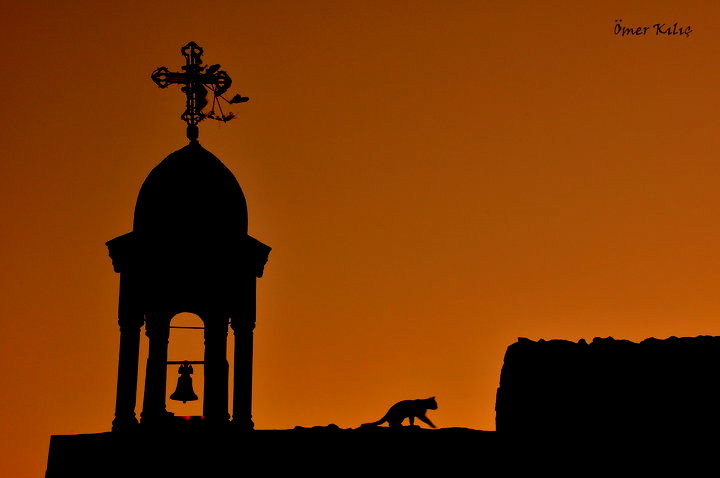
189 251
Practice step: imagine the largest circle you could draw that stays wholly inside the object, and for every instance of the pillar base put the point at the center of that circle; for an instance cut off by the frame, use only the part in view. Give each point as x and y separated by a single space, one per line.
243 424
158 418
124 423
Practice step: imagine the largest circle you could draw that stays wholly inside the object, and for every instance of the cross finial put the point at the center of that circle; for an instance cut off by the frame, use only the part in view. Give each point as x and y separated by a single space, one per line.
196 79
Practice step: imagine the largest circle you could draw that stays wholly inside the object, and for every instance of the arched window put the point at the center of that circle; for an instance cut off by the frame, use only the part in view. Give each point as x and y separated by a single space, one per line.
186 343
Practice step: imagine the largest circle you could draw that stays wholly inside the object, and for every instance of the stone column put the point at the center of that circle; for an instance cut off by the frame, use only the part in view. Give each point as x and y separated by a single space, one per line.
127 371
243 324
215 397
157 328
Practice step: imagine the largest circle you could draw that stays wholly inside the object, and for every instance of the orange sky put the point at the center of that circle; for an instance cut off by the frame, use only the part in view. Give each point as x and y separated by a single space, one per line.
436 178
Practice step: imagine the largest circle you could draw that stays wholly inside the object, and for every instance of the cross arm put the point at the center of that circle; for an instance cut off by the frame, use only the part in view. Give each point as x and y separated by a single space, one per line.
164 78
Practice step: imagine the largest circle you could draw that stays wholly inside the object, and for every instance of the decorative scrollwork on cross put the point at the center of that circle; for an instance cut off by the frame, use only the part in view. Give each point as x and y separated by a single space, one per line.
197 79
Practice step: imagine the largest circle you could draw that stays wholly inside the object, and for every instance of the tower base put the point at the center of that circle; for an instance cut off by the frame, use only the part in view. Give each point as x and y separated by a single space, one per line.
201 450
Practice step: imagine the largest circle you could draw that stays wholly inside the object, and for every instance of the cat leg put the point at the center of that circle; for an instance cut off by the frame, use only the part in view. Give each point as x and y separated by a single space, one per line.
426 420
395 423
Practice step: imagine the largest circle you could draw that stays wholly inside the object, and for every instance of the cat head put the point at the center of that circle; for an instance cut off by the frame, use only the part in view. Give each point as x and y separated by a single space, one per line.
431 403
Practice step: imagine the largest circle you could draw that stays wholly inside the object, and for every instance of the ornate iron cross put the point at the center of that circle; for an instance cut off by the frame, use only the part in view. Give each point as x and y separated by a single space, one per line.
196 80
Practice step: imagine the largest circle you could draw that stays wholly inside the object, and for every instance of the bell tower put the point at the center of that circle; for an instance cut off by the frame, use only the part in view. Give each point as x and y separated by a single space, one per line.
189 251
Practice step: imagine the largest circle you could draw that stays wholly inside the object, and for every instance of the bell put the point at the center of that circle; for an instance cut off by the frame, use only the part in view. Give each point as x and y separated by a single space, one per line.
184 391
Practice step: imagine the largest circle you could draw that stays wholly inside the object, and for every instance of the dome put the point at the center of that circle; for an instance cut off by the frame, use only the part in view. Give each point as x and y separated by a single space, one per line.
189 249
191 194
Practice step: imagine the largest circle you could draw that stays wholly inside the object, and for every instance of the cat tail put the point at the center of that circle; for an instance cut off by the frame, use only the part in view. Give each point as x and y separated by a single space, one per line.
374 424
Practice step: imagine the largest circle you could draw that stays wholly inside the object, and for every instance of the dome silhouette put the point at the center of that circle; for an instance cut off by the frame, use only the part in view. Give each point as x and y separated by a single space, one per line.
190 245
191 193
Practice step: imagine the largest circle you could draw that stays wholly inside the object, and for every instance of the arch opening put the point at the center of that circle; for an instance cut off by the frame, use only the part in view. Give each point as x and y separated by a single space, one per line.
185 344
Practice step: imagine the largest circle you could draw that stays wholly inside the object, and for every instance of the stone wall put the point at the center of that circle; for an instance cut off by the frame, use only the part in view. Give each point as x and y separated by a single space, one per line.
610 386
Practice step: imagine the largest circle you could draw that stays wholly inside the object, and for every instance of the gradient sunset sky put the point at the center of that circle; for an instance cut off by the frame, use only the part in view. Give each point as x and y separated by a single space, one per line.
436 179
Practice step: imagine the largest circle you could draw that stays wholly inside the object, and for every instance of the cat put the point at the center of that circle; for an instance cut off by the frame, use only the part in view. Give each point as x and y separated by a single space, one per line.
410 409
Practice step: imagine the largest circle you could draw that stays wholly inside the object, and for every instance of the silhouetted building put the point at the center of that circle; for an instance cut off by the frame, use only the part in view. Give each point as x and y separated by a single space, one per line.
189 251
655 387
